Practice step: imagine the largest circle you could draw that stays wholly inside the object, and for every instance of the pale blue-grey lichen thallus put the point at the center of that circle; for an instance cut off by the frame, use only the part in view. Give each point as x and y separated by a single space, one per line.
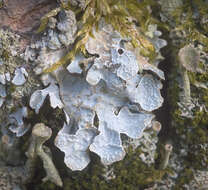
110 99
107 99
19 76
108 145
38 97
75 146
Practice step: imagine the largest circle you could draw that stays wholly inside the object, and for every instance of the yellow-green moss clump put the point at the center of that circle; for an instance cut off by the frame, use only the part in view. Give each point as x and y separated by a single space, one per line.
191 19
123 15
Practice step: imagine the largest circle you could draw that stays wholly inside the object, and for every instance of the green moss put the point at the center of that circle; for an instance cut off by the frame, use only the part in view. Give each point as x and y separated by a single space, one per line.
48 185
118 14
184 178
191 132
191 24
130 174
45 19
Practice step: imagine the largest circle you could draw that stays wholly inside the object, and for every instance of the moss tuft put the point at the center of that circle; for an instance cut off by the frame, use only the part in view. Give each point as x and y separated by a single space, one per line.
130 174
122 15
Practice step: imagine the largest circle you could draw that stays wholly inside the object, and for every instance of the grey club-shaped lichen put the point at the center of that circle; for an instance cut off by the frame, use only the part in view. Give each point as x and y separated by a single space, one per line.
189 59
18 175
40 134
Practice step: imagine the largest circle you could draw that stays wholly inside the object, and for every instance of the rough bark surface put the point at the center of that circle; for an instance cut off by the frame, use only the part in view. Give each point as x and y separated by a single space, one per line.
24 15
